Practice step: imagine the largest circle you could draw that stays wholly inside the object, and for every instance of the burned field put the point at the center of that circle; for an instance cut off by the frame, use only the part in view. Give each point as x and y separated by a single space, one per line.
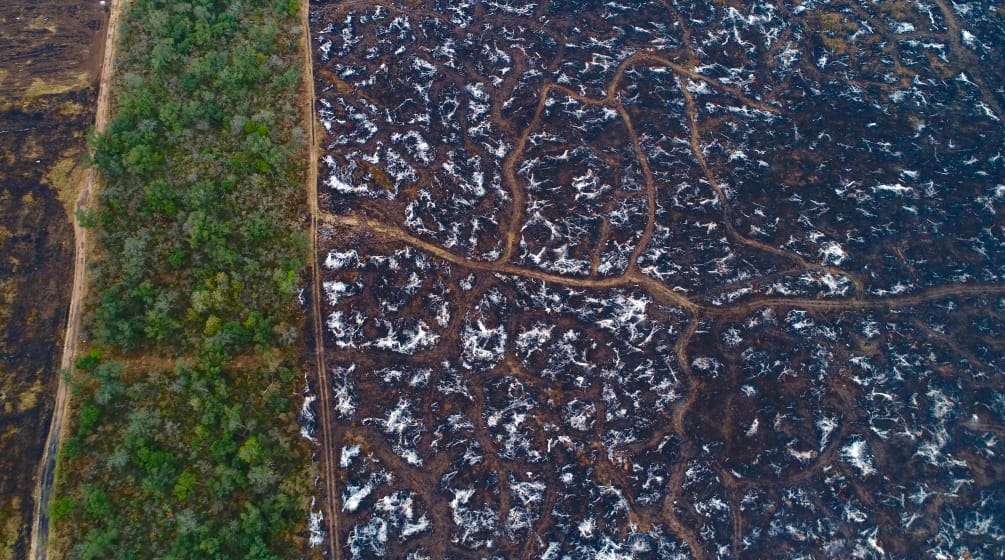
48 56
664 280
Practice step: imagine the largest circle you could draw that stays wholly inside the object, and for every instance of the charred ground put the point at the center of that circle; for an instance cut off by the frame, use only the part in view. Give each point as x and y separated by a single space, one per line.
48 57
656 280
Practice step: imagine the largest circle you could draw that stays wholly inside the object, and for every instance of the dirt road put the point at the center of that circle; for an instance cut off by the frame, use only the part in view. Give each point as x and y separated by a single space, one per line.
330 499
46 470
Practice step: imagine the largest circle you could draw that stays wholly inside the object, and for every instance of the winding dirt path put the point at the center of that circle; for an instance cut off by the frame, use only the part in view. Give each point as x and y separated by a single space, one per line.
38 548
657 289
328 475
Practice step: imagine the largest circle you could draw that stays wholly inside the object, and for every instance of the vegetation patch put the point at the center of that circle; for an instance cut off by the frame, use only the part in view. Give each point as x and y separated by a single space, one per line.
184 441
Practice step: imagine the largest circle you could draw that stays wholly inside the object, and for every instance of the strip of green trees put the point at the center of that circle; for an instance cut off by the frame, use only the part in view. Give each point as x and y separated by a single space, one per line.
184 441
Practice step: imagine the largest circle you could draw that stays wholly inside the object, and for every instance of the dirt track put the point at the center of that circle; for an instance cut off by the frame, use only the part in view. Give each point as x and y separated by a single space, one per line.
47 466
327 442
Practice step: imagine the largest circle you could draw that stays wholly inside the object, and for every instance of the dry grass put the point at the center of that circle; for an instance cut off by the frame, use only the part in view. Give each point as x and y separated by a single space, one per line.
834 28
10 513
40 87
65 177
70 109
898 9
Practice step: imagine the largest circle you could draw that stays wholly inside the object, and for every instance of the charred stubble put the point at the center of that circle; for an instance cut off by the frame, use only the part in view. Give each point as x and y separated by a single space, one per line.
661 280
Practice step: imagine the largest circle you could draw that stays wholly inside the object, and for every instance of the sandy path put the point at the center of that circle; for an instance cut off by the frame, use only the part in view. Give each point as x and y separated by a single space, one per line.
329 474
47 466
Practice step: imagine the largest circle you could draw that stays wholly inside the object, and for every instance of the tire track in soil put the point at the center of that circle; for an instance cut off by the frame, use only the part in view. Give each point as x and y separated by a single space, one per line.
657 289
329 475
38 547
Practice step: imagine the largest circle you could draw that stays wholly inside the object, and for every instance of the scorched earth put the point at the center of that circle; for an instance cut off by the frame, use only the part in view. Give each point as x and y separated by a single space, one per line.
664 279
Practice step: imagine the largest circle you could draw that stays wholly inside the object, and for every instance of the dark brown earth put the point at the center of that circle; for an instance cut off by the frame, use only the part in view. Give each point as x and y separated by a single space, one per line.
49 53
